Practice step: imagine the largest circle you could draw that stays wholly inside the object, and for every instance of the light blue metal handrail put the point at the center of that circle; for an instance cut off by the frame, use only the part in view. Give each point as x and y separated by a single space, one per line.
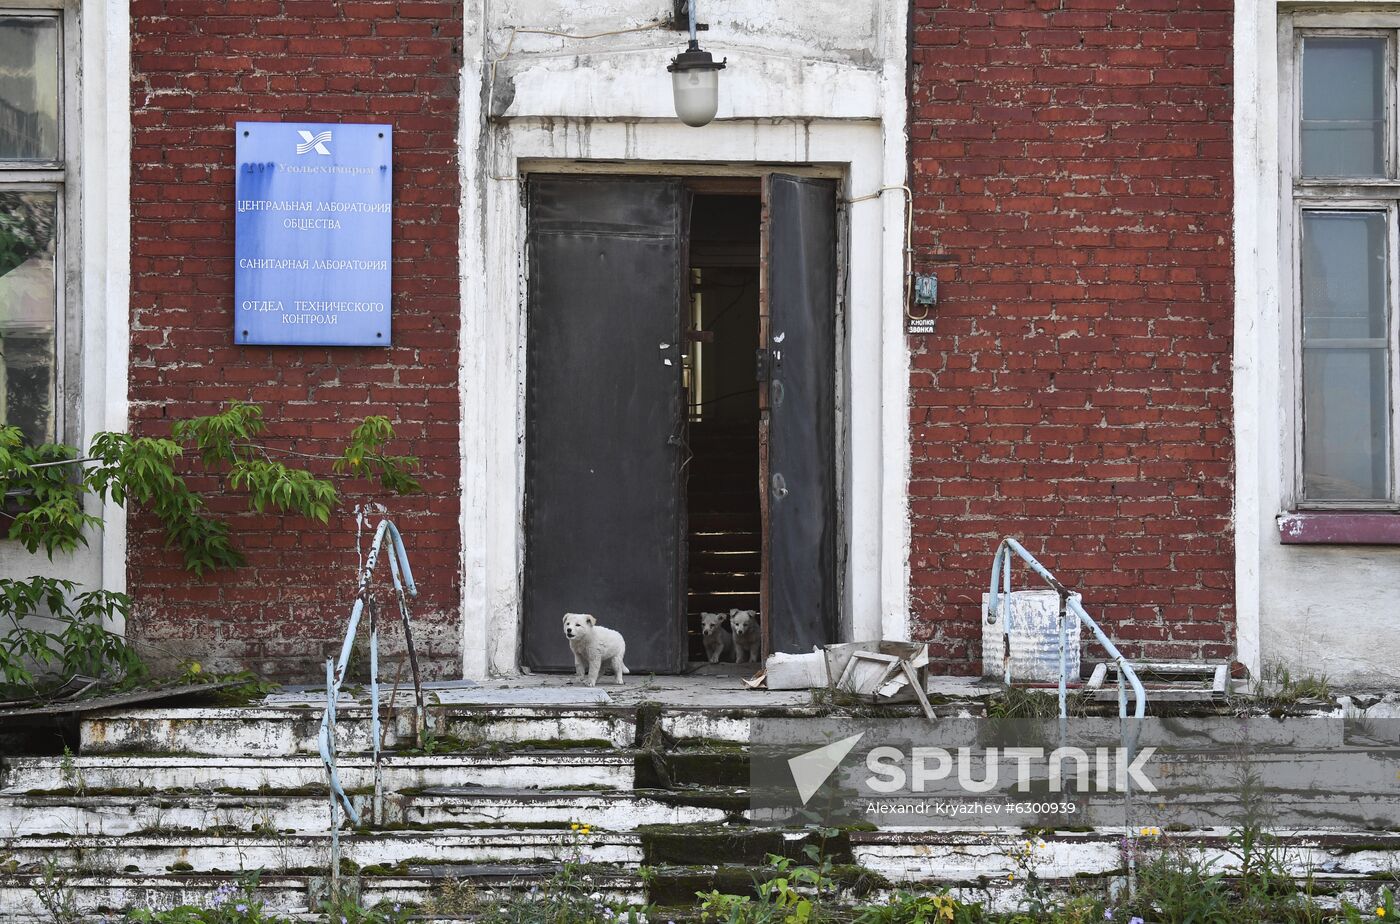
1069 603
335 676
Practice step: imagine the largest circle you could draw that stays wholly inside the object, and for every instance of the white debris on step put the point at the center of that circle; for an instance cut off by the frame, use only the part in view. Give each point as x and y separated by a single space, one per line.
796 671
880 671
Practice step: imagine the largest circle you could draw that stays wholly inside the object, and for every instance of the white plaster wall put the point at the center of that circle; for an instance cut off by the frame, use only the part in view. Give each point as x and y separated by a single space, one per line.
1315 609
101 181
816 86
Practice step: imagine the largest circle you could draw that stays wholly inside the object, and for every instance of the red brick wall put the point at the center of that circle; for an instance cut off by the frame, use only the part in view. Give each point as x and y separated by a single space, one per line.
1075 156
198 66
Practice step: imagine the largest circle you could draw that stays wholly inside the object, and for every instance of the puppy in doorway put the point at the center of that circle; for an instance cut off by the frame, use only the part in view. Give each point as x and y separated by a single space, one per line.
593 646
714 632
748 639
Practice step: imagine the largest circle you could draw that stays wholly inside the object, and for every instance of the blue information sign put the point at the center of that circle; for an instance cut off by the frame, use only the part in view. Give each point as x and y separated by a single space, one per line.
312 232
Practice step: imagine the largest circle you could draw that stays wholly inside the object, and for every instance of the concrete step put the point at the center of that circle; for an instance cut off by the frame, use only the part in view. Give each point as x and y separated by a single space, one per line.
97 897
115 815
293 729
615 811
146 854
519 770
408 866
967 856
103 895
727 727
691 767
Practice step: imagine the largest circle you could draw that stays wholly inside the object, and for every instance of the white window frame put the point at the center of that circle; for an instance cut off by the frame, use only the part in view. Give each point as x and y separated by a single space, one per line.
1299 194
62 176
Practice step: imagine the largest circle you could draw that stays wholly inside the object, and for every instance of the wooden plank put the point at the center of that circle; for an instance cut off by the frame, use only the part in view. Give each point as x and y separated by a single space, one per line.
118 700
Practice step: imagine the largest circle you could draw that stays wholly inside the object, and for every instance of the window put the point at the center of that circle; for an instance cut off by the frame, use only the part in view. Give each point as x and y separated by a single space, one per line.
1345 197
34 179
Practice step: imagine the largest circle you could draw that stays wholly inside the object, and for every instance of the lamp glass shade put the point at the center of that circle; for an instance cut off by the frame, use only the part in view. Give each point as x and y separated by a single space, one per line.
697 94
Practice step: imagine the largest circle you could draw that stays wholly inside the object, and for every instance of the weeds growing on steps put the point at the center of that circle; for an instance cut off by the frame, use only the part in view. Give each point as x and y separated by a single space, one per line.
55 896
1177 883
573 895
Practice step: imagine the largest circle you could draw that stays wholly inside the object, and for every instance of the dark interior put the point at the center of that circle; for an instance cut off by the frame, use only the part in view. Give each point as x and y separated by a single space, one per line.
724 537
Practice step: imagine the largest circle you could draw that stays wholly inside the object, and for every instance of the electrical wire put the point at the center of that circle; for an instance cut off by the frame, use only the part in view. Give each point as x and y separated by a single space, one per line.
732 394
517 30
743 289
908 241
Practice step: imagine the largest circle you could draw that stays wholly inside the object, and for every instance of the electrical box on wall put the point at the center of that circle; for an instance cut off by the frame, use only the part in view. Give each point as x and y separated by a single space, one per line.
920 317
925 290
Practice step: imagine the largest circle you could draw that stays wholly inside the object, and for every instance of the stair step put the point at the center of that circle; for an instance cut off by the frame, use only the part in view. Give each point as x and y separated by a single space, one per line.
721 602
116 815
293 896
217 852
728 726
276 731
730 844
736 581
948 856
103 895
520 769
726 559
704 768
716 540
616 811
724 522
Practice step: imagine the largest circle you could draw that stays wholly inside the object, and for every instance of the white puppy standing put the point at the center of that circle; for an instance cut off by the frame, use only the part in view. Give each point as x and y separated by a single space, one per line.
748 637
714 632
593 645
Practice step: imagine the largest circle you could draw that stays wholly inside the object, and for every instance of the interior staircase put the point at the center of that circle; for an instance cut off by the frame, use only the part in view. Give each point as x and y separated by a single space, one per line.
162 806
724 538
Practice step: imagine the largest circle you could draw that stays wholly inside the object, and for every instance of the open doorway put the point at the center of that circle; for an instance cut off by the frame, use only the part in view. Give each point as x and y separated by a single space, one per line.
724 515
680 412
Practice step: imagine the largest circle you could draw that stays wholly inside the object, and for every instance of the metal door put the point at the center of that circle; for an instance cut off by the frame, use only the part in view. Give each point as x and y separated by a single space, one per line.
797 396
604 416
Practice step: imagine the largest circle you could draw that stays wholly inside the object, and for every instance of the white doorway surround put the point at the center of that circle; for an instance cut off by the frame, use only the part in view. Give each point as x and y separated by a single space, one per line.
611 114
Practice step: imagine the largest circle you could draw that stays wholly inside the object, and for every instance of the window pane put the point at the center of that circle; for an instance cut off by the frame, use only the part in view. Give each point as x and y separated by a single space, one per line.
1346 356
28 312
28 88
1343 131
1344 274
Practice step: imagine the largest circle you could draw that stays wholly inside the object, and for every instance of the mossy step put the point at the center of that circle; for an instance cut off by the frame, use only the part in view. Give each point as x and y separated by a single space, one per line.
124 813
114 814
698 767
158 772
287 730
677 885
721 845
100 897
301 853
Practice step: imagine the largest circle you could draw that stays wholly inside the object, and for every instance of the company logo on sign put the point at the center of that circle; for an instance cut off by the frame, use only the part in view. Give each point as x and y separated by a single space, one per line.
312 142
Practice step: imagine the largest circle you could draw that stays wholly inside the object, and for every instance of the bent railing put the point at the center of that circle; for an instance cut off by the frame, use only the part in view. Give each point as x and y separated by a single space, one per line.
1070 604
335 676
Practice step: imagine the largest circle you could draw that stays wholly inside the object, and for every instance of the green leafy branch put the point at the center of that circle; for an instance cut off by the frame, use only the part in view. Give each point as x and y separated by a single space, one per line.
44 496
44 488
80 645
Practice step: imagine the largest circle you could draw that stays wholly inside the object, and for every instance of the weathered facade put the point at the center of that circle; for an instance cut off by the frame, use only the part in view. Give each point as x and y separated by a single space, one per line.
1111 195
197 69
1075 162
